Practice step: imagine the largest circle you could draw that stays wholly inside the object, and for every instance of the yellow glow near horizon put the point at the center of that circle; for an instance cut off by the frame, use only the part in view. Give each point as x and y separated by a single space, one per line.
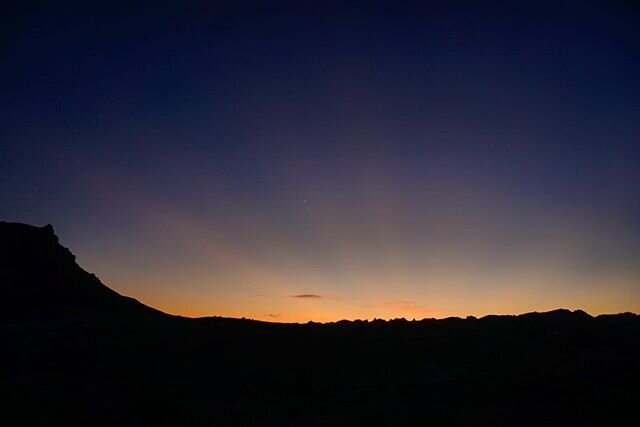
380 256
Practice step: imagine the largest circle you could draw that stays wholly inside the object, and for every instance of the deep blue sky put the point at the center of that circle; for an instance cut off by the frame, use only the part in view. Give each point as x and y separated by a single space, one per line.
392 159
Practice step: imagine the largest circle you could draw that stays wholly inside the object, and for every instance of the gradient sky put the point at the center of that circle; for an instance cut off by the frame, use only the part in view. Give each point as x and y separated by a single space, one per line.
316 162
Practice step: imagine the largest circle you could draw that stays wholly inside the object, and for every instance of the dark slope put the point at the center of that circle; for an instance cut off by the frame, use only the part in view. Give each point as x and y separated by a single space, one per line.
556 368
40 279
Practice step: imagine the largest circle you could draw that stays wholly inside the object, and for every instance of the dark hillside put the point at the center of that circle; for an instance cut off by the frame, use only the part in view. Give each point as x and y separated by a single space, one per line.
63 365
40 279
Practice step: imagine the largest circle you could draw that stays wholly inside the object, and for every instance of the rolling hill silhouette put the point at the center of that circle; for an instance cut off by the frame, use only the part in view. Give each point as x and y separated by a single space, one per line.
75 352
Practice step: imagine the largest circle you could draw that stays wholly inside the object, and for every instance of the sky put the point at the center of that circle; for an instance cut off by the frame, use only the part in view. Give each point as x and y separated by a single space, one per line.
296 161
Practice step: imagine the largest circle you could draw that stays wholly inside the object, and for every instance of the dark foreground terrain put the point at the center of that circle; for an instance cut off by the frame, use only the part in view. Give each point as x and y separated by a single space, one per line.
74 352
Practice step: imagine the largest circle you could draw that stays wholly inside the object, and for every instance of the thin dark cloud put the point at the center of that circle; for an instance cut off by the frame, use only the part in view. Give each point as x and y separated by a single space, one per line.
274 315
306 296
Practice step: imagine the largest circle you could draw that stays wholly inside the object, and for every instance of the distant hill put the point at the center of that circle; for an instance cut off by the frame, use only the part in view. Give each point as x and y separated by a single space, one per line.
40 279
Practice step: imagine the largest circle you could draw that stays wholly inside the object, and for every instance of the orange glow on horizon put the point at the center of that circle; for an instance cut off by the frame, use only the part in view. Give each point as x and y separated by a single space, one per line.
370 263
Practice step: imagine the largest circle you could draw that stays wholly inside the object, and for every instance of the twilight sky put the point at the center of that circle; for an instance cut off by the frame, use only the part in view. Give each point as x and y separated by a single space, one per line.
317 162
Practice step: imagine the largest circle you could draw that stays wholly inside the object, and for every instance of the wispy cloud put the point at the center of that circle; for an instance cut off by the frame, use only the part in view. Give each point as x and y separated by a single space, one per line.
274 315
306 296
407 307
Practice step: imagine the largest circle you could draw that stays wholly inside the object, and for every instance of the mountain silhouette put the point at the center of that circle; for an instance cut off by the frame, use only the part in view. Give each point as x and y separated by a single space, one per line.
76 353
40 278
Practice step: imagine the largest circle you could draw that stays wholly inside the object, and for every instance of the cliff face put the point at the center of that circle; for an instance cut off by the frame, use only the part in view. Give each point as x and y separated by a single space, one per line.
40 279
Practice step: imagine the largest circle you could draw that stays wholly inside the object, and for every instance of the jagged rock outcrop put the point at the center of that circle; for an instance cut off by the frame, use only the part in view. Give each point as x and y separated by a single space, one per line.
40 279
